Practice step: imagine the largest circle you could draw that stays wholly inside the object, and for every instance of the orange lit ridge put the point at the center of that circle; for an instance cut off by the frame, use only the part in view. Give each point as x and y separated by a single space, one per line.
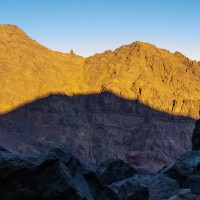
163 80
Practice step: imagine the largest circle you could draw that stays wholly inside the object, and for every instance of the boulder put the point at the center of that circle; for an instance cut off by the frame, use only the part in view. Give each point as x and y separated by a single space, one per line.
54 175
160 186
58 175
114 170
185 194
128 189
186 170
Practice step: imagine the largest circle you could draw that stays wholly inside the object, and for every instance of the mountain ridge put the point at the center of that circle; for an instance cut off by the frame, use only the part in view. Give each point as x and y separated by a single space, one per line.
137 71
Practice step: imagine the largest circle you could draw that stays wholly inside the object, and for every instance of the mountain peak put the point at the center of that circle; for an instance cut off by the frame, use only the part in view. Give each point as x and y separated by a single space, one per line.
8 28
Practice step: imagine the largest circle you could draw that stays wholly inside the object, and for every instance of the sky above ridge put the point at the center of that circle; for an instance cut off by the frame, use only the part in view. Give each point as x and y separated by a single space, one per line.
93 26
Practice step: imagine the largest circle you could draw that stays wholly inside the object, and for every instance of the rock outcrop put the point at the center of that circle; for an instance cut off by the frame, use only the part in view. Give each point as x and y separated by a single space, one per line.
96 128
178 181
160 185
58 175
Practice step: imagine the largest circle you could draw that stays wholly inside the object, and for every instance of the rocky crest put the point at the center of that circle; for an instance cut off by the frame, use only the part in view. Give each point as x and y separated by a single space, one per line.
163 80
96 128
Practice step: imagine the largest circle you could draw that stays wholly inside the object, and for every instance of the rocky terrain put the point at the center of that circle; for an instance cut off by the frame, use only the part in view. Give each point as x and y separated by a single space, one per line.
58 175
98 127
163 80
137 103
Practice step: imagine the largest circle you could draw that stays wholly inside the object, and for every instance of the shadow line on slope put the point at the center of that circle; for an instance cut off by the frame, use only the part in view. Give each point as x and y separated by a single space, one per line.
97 127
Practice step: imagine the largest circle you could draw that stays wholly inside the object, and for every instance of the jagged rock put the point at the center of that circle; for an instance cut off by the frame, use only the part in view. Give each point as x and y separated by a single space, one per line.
160 186
113 171
55 175
196 136
127 189
72 52
186 170
52 176
185 194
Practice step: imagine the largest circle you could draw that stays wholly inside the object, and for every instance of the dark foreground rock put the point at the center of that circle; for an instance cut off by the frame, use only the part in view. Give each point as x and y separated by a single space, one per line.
179 181
185 194
186 170
161 187
114 170
58 175
128 189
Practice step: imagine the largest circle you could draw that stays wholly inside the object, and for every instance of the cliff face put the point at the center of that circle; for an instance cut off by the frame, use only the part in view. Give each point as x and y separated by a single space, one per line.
98 127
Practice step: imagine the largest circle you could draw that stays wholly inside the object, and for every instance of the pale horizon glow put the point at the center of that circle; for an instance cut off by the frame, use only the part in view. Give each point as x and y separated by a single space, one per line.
94 26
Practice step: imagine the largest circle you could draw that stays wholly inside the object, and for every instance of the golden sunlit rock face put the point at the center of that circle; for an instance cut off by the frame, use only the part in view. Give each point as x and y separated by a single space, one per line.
158 78
28 70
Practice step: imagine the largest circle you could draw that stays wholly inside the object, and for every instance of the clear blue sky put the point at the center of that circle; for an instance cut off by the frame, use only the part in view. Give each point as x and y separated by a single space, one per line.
93 26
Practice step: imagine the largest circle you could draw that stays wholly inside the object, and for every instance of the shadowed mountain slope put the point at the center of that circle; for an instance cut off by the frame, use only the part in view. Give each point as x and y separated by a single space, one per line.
158 78
97 127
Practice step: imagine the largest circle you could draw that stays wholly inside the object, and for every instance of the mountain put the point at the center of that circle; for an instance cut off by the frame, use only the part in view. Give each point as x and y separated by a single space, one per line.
137 103
163 80
29 70
97 127
160 79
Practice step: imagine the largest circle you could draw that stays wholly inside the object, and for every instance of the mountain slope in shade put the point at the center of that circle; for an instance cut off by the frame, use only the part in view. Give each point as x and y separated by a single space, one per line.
98 127
160 79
